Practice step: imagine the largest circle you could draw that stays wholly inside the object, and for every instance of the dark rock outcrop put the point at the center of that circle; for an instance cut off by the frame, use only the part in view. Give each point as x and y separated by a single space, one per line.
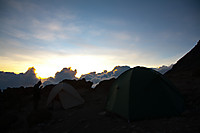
185 74
79 84
189 63
105 85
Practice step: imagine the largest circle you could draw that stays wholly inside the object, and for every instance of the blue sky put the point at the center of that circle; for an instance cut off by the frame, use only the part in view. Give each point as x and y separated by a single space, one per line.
94 35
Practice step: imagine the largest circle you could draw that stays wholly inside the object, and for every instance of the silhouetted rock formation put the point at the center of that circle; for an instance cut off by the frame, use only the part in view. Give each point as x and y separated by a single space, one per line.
79 84
189 63
15 98
186 76
46 90
105 84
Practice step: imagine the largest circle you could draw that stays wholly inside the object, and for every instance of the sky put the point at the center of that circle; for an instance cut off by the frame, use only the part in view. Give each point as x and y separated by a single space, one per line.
95 35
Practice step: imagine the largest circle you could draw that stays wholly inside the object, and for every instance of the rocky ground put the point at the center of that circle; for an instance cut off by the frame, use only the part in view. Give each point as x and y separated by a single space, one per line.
18 116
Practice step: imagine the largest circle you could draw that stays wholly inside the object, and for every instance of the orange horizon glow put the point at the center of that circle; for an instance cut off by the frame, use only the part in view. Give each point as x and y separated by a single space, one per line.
84 64
46 72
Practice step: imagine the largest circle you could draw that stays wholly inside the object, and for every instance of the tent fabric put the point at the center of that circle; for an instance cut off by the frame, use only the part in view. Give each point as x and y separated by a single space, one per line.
67 94
142 93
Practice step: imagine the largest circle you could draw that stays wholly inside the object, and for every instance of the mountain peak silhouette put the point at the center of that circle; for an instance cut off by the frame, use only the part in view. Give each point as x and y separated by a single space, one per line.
185 74
189 62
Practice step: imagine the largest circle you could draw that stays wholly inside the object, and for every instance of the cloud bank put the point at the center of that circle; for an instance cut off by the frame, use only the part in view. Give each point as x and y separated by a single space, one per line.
65 73
163 69
105 75
9 79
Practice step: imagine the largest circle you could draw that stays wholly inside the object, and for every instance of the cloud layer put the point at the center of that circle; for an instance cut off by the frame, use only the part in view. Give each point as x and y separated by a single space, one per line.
105 75
9 79
65 73
163 69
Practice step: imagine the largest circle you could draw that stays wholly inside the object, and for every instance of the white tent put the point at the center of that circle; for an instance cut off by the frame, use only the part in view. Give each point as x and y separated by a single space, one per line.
68 96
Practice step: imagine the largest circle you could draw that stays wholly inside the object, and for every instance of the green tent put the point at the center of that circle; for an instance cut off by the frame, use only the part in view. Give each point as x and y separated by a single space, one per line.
142 93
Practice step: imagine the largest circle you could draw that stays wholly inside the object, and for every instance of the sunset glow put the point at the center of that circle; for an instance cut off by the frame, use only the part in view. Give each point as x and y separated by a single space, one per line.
50 36
83 64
